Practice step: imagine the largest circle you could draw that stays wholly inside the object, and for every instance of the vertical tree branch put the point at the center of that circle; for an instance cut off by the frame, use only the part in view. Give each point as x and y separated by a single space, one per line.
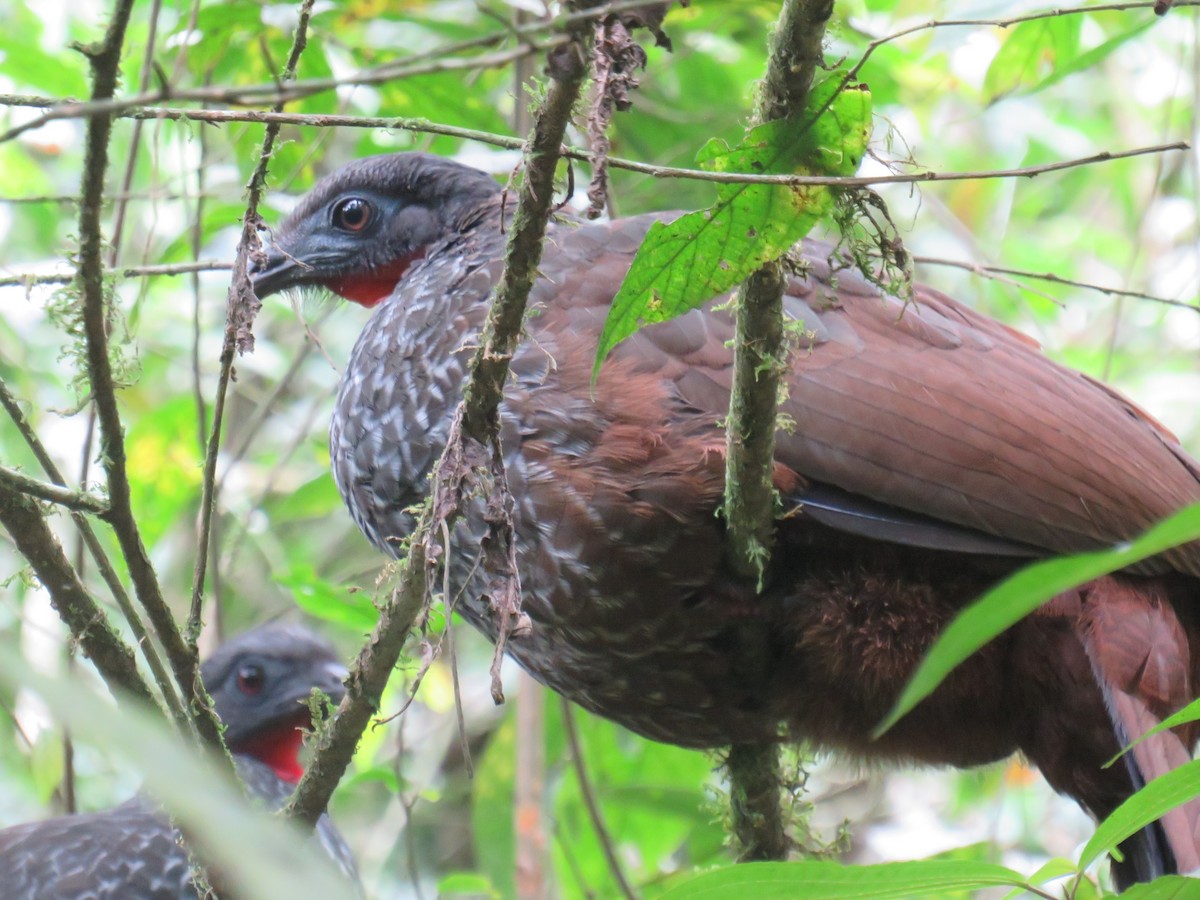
105 59
754 801
760 361
241 308
529 787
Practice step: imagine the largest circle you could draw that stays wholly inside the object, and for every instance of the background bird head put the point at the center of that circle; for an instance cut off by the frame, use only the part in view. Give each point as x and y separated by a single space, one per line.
260 682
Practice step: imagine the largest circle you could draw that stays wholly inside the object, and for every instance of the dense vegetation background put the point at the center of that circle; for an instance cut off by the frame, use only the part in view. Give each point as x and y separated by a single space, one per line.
974 97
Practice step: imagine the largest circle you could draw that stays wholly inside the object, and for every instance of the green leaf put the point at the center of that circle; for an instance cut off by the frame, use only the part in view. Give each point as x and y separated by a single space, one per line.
468 884
1170 887
1042 53
1147 805
46 763
1032 52
1089 59
315 498
24 60
1016 597
492 809
333 603
1189 713
834 881
686 263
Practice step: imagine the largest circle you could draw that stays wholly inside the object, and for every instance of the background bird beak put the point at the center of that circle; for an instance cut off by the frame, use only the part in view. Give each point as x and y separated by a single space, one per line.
332 682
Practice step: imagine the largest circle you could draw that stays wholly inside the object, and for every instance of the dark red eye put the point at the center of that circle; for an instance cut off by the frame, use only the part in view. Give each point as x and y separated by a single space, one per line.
250 679
352 214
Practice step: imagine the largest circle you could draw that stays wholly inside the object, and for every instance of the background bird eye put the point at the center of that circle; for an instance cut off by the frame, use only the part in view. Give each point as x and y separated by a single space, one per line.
352 214
250 679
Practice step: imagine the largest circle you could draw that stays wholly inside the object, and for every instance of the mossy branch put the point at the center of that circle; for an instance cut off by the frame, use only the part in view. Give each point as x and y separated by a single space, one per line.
760 361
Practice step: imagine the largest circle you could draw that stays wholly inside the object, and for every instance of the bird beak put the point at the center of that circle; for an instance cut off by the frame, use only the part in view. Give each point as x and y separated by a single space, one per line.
279 272
333 682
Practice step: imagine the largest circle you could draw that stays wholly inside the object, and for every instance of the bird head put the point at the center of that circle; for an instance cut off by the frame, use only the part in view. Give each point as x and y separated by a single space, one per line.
260 683
360 228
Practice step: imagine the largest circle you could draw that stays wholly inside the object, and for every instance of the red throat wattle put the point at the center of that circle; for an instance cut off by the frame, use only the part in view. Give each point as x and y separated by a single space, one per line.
367 290
279 748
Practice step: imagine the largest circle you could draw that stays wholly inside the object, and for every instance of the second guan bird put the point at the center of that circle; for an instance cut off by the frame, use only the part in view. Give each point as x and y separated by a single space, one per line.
259 682
934 452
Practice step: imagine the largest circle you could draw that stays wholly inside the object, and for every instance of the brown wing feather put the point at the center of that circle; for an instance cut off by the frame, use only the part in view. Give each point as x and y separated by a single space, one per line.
929 407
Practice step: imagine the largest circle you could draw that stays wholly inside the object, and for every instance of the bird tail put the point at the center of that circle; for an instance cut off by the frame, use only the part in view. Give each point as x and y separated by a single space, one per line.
1140 655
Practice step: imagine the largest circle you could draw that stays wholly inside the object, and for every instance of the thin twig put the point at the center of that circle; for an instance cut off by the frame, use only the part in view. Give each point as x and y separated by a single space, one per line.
448 636
1003 23
589 799
986 271
122 205
242 306
73 199
417 65
424 63
203 265
616 162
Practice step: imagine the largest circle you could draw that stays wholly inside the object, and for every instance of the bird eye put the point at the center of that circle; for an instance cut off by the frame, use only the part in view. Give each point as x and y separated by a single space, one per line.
250 679
352 214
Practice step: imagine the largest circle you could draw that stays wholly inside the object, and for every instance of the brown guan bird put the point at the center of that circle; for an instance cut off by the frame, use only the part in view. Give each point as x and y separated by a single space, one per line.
260 682
935 451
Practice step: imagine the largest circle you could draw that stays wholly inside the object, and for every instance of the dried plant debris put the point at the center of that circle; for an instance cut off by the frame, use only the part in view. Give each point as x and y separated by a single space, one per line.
243 303
616 59
469 468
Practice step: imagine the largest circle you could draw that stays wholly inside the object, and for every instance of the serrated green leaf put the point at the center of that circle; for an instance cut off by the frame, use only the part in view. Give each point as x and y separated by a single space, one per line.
818 880
1017 596
686 263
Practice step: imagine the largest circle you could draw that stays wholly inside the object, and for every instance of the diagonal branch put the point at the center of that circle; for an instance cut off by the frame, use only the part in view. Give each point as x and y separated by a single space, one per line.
370 671
31 533
241 308
103 564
